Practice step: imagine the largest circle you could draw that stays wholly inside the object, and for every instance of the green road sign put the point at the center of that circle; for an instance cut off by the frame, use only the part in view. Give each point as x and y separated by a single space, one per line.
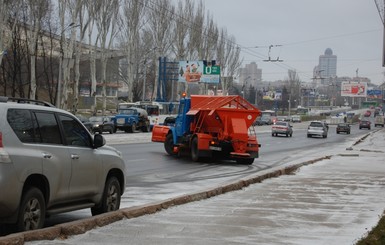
211 70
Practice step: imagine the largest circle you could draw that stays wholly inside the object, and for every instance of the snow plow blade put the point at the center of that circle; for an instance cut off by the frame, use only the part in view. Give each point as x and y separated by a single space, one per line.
159 133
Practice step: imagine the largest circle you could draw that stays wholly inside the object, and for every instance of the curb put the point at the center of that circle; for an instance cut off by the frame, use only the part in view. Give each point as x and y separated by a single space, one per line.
65 230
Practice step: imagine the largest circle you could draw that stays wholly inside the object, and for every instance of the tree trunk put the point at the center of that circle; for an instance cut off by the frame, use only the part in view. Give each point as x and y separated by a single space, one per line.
33 86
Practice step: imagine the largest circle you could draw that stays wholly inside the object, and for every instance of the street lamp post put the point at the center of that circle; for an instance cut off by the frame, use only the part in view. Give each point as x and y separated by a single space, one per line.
244 85
289 104
144 80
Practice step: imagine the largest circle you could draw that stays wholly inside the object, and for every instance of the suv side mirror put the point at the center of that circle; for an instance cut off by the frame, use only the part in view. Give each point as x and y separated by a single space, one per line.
99 141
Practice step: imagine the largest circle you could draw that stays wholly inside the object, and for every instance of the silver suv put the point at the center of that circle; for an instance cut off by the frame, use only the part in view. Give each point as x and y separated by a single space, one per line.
50 163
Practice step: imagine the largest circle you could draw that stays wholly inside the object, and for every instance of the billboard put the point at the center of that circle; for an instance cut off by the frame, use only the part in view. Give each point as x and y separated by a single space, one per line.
308 92
272 95
353 89
196 71
374 94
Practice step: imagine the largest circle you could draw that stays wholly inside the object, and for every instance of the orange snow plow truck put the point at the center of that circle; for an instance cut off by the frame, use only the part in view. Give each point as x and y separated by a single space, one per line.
216 127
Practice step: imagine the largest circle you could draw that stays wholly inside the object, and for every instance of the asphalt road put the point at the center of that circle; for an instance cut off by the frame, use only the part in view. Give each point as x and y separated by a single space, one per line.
152 175
333 200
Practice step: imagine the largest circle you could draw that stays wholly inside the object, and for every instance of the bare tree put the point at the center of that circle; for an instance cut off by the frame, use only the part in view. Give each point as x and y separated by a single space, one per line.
35 12
228 57
132 23
294 86
107 23
8 7
92 8
209 42
195 45
161 12
182 28
77 9
67 47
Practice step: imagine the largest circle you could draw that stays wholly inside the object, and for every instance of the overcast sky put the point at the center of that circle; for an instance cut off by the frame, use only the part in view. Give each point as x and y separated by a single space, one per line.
305 28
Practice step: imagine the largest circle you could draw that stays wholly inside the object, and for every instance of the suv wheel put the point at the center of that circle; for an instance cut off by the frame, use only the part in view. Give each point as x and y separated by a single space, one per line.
32 210
111 197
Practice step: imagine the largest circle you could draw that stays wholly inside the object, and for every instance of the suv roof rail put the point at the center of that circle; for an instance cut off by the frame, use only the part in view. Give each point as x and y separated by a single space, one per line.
5 99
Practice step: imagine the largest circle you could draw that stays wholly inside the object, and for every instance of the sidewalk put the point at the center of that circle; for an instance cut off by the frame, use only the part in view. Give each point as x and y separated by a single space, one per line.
332 200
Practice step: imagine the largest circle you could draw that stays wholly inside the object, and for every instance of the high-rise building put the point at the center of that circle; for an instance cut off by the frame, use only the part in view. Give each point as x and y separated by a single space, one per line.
250 75
327 66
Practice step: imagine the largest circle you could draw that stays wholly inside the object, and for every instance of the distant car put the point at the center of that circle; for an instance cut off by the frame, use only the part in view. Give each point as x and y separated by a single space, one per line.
367 113
281 127
343 127
296 118
364 123
317 128
263 121
377 111
283 118
86 122
379 121
102 124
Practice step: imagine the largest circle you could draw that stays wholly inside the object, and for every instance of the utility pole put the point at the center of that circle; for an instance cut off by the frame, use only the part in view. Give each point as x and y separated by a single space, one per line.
380 4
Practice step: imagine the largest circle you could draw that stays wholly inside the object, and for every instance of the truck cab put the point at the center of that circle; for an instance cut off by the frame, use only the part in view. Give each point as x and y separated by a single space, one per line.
131 119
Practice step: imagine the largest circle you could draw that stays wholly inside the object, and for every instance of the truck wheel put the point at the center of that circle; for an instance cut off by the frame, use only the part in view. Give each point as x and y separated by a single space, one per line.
132 128
169 145
245 161
194 150
111 197
146 128
32 210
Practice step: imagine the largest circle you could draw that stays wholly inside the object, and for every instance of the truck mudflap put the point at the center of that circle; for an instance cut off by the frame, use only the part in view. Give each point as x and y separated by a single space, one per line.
159 133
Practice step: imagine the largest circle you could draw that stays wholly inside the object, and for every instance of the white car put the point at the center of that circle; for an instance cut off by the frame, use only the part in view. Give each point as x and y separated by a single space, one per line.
281 127
296 118
317 128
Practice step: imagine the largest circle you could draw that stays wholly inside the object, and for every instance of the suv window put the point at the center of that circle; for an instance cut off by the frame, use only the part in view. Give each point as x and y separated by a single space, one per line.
23 125
34 126
48 127
74 133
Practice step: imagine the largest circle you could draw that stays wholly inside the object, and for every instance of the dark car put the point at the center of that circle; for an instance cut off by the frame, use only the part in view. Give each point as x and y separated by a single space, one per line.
86 122
364 123
343 127
102 124
263 121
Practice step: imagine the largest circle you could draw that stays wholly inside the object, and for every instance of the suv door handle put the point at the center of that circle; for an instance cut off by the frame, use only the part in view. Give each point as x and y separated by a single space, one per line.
74 156
47 156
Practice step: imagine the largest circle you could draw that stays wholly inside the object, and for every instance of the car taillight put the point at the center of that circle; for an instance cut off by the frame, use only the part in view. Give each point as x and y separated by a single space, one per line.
4 157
